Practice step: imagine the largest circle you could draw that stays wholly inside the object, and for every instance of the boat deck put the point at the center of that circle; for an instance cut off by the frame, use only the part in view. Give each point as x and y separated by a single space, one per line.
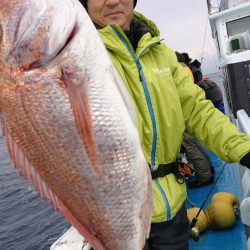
229 239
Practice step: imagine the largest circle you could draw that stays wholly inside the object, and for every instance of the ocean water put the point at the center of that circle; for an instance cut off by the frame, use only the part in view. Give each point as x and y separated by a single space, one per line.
26 221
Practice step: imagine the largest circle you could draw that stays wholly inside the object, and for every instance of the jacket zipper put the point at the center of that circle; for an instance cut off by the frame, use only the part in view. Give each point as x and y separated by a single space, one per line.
150 109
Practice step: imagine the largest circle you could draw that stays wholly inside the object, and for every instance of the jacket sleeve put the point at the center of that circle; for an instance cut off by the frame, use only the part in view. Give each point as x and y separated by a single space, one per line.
210 126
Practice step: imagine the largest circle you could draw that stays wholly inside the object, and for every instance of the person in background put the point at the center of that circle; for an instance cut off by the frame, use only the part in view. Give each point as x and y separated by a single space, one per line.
212 91
196 155
193 151
167 103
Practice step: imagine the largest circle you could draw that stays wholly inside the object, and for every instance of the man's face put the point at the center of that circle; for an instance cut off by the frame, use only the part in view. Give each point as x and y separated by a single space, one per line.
105 12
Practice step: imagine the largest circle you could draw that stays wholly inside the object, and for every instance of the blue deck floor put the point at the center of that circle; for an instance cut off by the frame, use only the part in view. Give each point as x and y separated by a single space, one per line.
229 239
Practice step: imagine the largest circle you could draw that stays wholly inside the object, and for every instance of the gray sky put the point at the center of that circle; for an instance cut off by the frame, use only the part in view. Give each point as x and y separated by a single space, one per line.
182 24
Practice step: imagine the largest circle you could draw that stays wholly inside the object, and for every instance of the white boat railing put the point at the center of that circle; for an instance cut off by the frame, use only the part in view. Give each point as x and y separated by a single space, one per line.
70 240
244 126
244 122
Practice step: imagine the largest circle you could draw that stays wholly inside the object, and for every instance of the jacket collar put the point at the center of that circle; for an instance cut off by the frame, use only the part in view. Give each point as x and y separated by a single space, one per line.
144 32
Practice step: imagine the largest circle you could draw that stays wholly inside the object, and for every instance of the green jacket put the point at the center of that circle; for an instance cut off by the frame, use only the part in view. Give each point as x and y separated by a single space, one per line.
167 102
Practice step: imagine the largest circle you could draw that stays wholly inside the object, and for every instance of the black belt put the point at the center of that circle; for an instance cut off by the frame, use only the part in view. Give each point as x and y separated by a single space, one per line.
163 169
166 169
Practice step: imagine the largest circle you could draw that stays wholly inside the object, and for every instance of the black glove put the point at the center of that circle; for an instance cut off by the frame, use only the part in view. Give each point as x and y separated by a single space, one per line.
245 160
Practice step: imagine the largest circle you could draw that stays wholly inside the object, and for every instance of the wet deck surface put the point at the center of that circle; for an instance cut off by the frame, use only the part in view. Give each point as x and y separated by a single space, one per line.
229 239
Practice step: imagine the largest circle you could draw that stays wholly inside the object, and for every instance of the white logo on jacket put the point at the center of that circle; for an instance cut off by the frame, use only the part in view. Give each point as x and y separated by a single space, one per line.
162 71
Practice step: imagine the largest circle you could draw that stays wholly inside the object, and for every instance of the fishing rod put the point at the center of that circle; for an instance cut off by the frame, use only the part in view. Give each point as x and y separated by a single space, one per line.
209 7
194 232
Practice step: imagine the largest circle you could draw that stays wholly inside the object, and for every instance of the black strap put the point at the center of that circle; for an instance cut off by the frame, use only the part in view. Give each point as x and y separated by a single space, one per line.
163 170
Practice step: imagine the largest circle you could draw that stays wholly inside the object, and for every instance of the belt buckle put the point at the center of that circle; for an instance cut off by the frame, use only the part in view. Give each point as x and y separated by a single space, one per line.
153 167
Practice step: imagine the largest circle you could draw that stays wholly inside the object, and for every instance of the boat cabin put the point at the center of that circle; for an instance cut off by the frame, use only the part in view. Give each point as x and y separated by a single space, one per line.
231 32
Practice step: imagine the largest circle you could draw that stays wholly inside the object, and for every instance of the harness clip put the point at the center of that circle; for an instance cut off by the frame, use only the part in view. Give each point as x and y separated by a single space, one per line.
153 167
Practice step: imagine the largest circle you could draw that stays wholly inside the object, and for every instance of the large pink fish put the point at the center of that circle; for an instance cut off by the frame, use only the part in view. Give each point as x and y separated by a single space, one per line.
67 122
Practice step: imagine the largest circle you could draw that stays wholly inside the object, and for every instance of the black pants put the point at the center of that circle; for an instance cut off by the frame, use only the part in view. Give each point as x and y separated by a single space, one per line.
170 235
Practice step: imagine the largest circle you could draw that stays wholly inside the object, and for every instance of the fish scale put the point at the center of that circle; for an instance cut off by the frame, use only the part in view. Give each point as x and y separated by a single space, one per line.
68 122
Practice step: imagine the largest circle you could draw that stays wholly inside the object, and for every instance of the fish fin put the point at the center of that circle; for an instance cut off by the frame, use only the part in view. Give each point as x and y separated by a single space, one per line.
21 163
75 85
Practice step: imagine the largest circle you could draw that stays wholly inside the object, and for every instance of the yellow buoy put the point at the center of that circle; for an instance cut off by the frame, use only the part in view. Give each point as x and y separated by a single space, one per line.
220 215
226 197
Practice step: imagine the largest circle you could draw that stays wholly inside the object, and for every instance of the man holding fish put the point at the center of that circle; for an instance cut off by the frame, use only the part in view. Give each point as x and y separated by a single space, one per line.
166 102
87 139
